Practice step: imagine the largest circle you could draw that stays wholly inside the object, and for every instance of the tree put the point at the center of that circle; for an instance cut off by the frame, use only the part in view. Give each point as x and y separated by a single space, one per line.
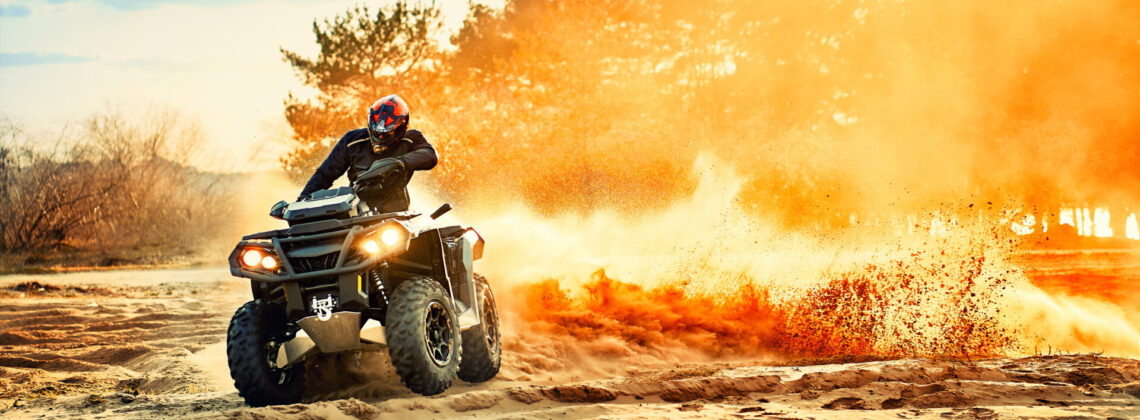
363 56
577 104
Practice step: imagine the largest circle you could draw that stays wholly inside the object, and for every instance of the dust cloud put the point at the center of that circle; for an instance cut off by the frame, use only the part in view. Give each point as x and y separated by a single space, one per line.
703 276
776 149
790 179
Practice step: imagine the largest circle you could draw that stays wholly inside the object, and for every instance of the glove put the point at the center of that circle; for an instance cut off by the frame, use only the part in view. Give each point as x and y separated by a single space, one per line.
382 168
390 165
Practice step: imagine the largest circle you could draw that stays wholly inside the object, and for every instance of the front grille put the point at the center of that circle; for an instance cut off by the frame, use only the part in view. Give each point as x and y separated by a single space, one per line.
320 262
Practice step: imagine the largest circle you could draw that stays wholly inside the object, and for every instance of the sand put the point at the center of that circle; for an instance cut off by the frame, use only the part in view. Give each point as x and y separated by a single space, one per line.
150 343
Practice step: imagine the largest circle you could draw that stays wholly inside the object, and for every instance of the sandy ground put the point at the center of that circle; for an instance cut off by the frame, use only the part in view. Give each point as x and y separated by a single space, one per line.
145 344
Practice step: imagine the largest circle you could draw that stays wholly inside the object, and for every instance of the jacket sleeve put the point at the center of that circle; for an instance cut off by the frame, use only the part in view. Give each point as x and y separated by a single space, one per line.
331 169
422 156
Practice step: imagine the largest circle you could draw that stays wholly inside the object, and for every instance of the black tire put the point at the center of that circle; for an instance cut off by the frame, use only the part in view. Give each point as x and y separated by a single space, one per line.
425 358
252 357
481 346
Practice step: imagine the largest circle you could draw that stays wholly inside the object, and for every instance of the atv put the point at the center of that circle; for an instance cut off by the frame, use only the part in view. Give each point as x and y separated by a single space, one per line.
345 277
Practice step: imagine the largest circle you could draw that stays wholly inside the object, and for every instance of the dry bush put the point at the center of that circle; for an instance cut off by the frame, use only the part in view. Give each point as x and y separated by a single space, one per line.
46 191
115 183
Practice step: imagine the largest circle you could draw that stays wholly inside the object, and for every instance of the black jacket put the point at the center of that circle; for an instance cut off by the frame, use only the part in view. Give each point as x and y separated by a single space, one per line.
353 153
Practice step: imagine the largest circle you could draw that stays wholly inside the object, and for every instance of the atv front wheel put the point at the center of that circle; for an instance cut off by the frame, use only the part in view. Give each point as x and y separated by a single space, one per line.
423 336
481 346
252 343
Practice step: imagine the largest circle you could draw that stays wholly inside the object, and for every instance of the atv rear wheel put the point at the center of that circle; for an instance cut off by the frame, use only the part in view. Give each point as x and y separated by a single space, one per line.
423 336
252 343
481 346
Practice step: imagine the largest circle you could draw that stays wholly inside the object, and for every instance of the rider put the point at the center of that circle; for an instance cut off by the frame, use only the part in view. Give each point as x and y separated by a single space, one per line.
386 141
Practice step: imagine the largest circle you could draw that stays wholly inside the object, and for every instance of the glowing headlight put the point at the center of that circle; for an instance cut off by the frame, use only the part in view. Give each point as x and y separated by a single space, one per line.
251 258
391 236
269 263
388 237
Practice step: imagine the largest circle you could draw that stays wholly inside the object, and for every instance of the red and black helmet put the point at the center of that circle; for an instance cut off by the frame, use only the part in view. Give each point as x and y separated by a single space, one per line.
388 120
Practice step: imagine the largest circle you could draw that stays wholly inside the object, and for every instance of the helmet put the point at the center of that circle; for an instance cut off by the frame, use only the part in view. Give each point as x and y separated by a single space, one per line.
387 120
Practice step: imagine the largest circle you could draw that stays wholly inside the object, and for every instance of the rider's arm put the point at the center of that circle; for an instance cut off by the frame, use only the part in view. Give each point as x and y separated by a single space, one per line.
331 169
422 156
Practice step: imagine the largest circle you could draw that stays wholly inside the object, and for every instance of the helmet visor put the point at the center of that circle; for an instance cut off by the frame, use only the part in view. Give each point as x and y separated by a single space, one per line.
382 138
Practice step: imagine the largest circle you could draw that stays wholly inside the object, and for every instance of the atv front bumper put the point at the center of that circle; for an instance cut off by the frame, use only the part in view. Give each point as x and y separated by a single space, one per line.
328 263
325 254
341 332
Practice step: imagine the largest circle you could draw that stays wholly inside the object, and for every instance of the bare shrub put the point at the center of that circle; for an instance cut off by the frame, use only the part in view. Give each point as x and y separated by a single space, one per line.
119 182
47 193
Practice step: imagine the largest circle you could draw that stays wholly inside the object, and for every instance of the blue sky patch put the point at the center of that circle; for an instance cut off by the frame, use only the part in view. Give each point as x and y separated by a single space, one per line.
15 10
31 59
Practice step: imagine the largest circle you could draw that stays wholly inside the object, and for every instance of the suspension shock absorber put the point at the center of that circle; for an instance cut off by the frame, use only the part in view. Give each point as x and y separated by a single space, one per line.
378 296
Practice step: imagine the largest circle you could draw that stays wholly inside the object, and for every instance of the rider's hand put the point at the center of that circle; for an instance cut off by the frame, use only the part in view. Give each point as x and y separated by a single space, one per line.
390 165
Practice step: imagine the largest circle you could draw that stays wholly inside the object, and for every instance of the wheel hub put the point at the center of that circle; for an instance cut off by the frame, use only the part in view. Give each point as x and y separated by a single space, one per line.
438 333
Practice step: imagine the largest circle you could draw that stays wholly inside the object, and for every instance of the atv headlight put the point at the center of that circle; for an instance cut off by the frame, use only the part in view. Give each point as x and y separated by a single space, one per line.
391 235
251 258
254 258
269 262
386 238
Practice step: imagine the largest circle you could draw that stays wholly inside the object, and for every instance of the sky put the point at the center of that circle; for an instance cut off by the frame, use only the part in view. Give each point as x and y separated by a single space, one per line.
216 62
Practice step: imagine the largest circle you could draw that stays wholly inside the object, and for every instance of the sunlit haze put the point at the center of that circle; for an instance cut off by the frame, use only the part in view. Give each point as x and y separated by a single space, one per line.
216 62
